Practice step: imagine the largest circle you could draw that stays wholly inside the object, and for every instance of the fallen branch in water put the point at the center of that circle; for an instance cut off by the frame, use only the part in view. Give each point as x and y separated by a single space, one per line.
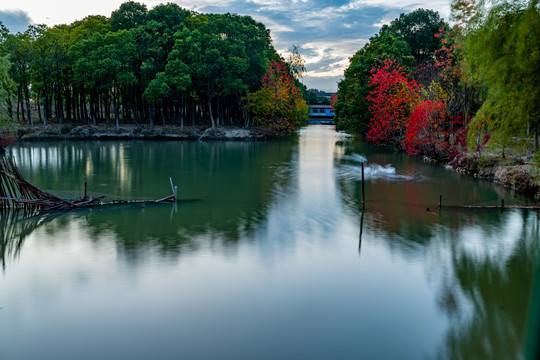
16 192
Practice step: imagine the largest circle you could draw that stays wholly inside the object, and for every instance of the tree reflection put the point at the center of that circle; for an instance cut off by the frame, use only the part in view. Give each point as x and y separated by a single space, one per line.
499 293
236 181
481 262
15 227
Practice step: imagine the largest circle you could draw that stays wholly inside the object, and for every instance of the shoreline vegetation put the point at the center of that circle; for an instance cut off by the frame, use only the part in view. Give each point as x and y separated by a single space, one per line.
514 171
173 74
464 95
142 67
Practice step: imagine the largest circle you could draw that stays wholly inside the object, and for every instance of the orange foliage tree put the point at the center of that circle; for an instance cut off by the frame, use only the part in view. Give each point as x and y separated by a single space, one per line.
278 105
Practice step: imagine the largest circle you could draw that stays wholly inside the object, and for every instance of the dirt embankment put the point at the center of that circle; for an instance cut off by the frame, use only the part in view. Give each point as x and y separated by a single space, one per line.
520 173
66 132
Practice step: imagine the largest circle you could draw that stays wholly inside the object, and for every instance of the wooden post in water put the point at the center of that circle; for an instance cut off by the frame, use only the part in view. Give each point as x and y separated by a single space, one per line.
363 189
502 206
361 231
174 189
85 191
440 202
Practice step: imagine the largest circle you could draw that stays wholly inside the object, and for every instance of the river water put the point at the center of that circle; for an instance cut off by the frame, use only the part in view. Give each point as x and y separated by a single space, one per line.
276 261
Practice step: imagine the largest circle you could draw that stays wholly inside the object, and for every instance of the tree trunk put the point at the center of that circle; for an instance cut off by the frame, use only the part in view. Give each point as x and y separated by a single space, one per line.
10 108
93 105
192 108
116 110
18 105
182 113
28 108
151 116
67 96
536 129
45 107
218 112
59 108
213 122
163 112
85 109
39 109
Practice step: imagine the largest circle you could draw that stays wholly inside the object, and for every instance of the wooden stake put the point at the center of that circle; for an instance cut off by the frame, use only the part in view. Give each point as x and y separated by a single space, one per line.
502 206
440 201
363 189
85 191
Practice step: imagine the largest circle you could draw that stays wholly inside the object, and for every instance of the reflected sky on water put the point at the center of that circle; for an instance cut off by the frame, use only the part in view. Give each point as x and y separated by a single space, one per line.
276 261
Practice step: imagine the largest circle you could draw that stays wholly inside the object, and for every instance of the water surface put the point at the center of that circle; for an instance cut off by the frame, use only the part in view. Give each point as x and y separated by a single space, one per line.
277 261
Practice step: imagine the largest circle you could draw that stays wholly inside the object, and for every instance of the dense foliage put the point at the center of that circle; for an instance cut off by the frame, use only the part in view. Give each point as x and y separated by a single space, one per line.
279 105
167 65
352 106
503 52
392 99
422 86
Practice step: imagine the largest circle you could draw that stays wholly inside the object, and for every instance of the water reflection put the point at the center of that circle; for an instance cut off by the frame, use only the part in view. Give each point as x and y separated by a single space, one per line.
15 227
235 180
481 262
266 265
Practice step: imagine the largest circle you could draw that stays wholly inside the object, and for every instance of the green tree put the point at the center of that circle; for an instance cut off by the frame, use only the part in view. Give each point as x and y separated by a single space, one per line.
156 92
418 29
7 90
20 54
50 69
87 27
167 62
311 97
130 15
503 53
170 14
103 65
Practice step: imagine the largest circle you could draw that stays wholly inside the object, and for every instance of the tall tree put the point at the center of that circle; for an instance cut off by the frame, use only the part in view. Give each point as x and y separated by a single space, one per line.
7 90
393 97
503 53
418 29
130 15
296 61
279 105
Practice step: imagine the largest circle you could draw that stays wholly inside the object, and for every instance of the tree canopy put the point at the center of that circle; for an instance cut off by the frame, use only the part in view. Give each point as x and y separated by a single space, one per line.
164 65
352 106
479 77
503 53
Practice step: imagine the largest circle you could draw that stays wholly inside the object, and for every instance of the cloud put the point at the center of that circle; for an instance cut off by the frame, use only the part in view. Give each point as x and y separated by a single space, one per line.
328 32
15 20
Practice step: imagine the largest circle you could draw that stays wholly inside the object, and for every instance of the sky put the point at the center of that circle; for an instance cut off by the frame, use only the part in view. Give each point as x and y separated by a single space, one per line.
327 32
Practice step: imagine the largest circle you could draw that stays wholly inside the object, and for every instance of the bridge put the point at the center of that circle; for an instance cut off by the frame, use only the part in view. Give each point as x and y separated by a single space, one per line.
321 114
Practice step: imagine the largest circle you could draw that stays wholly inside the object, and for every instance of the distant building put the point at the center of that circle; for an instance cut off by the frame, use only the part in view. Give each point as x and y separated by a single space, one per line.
321 114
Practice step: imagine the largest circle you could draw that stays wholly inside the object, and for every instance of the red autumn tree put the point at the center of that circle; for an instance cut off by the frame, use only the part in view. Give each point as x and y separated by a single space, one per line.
392 97
434 132
425 127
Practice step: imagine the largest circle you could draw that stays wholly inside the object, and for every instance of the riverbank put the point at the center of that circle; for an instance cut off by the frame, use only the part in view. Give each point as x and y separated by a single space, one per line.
519 173
518 169
128 132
